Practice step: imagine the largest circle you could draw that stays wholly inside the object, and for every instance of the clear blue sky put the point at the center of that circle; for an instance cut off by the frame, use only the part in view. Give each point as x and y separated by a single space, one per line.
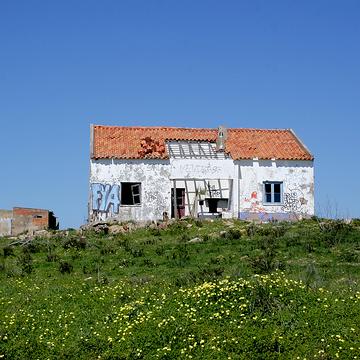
264 64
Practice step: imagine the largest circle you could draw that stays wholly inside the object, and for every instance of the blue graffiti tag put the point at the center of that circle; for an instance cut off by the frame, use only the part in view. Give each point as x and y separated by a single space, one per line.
105 197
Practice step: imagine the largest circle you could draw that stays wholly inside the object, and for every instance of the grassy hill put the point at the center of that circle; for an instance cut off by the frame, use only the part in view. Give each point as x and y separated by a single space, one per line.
200 290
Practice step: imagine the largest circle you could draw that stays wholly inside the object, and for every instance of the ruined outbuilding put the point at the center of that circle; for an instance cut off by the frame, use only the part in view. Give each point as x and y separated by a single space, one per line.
26 220
151 173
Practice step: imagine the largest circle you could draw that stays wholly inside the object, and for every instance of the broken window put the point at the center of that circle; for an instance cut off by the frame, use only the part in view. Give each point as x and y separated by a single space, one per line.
130 193
273 192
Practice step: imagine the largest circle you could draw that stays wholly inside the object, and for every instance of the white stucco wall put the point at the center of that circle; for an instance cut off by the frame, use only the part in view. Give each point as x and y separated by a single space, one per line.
155 187
156 177
202 168
298 188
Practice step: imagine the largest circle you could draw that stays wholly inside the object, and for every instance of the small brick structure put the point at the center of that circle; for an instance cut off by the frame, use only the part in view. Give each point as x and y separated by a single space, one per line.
26 220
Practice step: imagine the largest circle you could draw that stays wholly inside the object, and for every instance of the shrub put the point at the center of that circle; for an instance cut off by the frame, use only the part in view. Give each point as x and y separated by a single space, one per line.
180 256
124 263
149 263
177 228
25 262
231 234
107 249
334 231
75 242
50 257
65 267
33 247
349 255
160 250
8 251
155 231
136 252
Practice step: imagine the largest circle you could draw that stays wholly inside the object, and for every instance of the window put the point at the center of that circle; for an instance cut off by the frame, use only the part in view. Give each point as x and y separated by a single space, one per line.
273 192
130 193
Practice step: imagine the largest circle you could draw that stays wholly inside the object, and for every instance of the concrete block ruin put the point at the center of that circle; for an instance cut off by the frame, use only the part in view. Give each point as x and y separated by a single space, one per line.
26 220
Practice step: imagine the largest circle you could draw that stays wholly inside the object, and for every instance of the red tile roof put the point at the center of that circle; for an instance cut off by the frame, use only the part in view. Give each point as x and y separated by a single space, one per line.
123 142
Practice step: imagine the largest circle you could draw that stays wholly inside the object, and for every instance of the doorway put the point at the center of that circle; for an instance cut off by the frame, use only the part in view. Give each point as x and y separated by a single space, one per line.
180 203
212 203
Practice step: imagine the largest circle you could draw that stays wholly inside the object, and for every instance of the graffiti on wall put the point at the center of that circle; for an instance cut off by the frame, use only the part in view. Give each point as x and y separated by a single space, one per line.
105 198
254 205
292 206
213 191
293 201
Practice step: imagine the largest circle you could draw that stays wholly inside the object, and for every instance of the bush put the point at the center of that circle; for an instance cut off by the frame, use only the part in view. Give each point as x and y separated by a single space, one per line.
25 262
8 251
149 263
180 255
334 231
349 255
65 267
75 242
160 250
50 257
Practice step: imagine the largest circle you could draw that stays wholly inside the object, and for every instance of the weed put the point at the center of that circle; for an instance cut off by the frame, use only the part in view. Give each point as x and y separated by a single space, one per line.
311 275
181 256
8 251
149 242
349 255
107 250
155 231
160 250
2 264
65 267
177 228
124 263
149 263
25 262
50 257
136 252
75 242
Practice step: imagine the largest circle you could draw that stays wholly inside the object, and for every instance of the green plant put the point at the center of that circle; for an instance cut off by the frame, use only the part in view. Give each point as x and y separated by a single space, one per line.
25 262
8 251
65 267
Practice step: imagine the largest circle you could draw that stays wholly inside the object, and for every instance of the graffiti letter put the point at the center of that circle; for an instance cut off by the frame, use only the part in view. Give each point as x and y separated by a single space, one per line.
96 196
105 196
113 199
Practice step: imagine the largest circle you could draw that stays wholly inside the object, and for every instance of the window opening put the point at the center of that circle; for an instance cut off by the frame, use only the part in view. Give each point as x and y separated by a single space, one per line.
130 193
273 192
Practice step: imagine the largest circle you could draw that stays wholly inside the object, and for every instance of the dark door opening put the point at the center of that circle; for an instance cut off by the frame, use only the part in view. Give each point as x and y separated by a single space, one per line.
212 203
180 203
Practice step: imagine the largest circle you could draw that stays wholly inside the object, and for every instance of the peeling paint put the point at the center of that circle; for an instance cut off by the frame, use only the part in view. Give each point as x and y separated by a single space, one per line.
239 181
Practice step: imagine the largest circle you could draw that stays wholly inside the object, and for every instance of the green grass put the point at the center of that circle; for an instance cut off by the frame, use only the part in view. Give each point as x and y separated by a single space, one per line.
272 291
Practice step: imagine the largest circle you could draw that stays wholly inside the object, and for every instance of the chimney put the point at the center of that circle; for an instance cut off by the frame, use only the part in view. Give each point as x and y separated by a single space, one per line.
221 138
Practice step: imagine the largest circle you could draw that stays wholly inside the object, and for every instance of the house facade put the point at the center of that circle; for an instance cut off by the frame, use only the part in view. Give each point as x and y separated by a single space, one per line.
151 173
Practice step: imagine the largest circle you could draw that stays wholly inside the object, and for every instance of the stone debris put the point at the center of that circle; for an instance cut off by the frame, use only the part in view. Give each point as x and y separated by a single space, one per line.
195 240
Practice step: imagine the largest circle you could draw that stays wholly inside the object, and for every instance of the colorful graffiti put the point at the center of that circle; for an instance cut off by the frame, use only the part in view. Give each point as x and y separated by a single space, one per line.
105 197
255 205
292 206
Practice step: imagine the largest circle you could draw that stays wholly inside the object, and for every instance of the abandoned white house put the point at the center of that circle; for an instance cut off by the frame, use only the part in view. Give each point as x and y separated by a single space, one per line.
146 173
